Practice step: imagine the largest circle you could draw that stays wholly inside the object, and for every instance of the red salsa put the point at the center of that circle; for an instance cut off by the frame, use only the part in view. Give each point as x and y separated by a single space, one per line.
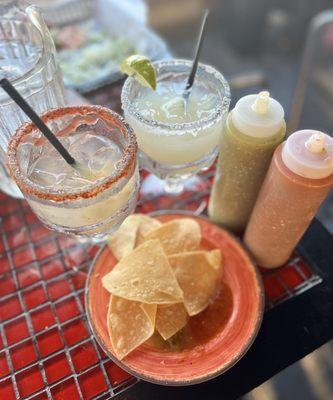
202 327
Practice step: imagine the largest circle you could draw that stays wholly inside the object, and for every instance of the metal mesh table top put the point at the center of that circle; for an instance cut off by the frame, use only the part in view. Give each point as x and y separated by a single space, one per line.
46 348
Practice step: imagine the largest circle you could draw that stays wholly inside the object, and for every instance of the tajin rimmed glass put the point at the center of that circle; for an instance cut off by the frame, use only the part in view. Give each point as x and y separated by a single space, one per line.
176 151
94 210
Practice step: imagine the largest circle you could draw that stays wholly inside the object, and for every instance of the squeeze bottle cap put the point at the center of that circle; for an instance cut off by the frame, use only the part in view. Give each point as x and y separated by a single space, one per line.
309 153
258 115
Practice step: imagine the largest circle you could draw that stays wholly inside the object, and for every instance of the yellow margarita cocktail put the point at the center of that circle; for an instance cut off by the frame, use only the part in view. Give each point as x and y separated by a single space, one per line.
93 198
177 135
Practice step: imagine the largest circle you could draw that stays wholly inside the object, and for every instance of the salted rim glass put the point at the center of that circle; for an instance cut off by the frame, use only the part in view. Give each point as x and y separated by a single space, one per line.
92 212
168 171
132 85
126 163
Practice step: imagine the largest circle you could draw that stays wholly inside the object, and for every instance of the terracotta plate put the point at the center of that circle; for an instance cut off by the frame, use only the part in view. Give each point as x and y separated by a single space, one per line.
223 334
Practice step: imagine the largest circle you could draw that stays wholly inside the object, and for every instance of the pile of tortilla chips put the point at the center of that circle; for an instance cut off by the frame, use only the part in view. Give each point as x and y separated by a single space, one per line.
162 279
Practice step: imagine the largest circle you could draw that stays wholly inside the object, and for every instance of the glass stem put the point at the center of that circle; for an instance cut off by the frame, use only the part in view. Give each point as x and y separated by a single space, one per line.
173 186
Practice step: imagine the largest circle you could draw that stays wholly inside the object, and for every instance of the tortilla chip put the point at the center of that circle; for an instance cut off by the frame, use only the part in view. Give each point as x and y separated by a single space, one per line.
150 310
128 324
171 319
144 275
147 224
215 259
177 236
197 273
123 241
130 234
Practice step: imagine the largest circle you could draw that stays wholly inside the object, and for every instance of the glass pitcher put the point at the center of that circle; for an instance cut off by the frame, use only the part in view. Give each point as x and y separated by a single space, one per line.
28 60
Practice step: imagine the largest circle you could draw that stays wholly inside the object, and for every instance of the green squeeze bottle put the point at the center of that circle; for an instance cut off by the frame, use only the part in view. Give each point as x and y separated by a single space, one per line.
254 128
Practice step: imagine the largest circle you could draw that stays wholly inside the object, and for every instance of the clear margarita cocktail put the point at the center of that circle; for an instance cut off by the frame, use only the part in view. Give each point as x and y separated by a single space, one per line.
91 199
177 137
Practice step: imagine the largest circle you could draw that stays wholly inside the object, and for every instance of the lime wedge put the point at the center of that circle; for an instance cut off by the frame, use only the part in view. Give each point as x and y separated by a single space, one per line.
141 68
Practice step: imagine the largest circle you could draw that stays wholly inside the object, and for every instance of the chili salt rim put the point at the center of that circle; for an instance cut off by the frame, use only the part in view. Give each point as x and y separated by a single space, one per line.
127 161
221 108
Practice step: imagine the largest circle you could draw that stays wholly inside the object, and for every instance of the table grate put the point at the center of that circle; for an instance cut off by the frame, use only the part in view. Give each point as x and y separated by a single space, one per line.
46 348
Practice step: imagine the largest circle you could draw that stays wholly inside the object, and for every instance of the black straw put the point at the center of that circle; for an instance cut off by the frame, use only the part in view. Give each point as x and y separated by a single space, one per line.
19 100
193 72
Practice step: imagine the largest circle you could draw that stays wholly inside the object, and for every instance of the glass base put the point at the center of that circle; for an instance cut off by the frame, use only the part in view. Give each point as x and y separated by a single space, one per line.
91 235
177 171
175 194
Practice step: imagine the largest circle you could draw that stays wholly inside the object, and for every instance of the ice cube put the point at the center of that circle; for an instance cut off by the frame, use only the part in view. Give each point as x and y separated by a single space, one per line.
104 160
87 143
84 146
49 171
46 149
25 155
75 182
95 158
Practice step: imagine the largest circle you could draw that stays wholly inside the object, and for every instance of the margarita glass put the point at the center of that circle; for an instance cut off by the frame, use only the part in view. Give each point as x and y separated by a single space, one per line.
92 199
177 138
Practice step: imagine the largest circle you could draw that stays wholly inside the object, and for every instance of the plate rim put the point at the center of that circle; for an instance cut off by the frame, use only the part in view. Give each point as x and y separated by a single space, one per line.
213 374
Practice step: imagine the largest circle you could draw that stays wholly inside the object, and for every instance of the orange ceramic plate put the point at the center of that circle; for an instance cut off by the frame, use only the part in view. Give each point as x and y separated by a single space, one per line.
232 326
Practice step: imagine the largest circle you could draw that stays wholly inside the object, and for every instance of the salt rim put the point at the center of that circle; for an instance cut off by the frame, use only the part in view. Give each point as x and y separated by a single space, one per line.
221 108
127 161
